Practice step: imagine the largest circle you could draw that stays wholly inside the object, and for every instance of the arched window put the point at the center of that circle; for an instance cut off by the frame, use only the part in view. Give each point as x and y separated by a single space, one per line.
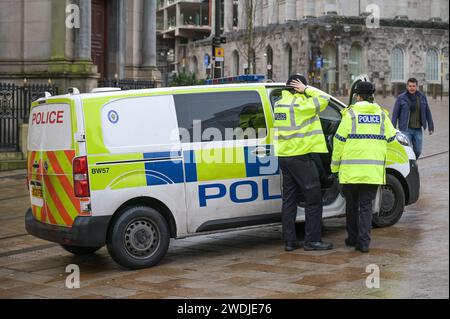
355 62
287 63
398 65
432 65
235 70
329 68
269 56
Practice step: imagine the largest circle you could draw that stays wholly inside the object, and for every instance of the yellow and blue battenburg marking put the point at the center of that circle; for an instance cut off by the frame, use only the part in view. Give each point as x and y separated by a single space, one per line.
173 168
164 168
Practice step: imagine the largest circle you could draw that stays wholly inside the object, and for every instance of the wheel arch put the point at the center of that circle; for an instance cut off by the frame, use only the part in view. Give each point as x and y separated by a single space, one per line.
402 181
149 202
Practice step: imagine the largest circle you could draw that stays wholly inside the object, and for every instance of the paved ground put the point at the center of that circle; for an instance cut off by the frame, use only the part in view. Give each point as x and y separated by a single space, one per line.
413 256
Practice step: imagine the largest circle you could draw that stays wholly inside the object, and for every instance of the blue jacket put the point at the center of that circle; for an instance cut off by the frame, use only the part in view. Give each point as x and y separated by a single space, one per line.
403 107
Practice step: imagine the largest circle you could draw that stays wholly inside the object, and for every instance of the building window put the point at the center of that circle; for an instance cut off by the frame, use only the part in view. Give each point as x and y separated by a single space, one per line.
355 62
235 15
235 70
269 56
432 65
398 65
287 61
329 68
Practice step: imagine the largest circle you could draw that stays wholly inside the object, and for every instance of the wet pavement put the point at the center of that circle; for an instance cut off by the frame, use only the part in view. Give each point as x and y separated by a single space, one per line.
412 256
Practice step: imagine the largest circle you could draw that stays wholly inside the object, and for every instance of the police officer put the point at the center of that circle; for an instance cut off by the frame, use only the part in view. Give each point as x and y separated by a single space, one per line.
298 135
359 156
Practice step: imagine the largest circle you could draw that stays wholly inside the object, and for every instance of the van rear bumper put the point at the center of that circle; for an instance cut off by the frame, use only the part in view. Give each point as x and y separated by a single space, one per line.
86 231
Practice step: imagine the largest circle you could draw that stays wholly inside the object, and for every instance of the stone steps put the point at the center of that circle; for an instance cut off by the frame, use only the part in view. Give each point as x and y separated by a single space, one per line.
12 165
11 156
12 161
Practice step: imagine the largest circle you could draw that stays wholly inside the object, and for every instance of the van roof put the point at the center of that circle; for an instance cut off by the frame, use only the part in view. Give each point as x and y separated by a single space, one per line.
168 90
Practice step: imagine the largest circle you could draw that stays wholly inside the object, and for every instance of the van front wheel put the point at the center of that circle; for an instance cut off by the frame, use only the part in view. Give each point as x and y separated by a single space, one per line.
139 238
392 203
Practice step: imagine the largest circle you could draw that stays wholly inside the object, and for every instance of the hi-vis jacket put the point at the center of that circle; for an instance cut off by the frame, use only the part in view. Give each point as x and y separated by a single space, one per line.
360 145
298 130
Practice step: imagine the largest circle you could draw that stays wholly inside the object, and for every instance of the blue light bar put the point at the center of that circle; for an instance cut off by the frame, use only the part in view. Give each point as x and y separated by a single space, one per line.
247 78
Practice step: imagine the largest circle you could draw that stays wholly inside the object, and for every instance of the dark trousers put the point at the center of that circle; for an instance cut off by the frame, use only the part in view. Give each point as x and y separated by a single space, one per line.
359 211
300 175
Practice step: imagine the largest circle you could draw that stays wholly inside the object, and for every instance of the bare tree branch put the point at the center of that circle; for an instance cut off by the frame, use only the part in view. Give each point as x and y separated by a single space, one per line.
248 45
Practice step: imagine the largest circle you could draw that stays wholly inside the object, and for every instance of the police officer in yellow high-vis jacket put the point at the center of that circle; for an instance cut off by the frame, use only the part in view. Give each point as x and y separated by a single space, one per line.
359 156
298 137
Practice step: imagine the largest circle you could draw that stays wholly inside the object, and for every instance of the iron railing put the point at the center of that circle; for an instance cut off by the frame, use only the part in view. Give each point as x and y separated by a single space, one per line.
15 104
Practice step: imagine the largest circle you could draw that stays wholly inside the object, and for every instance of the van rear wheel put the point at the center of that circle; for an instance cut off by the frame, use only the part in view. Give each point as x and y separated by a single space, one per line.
392 203
80 251
139 238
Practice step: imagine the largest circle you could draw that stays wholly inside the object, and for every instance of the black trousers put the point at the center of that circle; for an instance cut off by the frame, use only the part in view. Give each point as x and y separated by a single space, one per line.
300 175
359 211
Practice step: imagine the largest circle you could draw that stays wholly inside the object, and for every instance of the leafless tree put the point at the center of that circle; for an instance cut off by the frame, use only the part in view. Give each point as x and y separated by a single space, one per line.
250 44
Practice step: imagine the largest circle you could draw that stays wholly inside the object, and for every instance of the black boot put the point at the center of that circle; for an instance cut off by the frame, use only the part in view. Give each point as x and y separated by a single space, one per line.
318 245
293 245
350 243
362 248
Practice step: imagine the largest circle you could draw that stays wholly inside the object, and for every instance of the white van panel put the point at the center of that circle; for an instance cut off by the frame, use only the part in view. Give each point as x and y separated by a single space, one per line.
106 202
140 124
265 199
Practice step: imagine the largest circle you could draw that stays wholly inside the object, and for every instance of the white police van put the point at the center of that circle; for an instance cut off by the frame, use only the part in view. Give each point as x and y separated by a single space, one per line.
133 169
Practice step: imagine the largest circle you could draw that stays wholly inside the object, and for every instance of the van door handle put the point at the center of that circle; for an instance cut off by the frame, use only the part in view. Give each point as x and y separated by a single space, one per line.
260 151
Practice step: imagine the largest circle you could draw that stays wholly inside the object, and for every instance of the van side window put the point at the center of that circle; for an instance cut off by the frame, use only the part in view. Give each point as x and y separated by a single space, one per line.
220 116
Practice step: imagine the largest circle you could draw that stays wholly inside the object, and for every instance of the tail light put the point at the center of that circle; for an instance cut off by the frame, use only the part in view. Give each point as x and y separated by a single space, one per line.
81 177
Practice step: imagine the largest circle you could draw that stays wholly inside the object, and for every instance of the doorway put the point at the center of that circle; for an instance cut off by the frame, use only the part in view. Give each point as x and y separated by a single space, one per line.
99 36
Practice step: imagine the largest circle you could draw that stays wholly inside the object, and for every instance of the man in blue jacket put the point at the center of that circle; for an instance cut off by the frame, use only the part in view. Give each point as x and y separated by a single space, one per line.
412 113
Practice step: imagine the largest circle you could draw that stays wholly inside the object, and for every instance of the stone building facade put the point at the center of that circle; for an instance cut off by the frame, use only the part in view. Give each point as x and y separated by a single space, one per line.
332 42
41 40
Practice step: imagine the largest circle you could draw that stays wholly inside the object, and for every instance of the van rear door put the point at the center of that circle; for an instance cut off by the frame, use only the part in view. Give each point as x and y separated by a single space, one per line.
51 150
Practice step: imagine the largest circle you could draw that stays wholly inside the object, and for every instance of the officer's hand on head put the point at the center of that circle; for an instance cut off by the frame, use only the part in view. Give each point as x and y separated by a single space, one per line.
298 86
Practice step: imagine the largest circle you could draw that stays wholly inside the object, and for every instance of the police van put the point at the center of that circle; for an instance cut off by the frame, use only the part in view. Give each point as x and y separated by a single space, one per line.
133 169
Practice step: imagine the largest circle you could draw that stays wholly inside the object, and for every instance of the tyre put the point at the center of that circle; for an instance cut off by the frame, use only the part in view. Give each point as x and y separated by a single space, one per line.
392 203
80 251
138 238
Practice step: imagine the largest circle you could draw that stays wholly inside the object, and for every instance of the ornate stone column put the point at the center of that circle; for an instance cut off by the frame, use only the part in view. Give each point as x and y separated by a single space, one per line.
436 10
149 34
291 10
242 15
310 8
402 9
228 16
84 39
330 7
273 12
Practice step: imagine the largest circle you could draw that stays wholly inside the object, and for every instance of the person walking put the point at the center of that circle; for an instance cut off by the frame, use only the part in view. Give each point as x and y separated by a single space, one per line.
412 113
298 136
359 157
